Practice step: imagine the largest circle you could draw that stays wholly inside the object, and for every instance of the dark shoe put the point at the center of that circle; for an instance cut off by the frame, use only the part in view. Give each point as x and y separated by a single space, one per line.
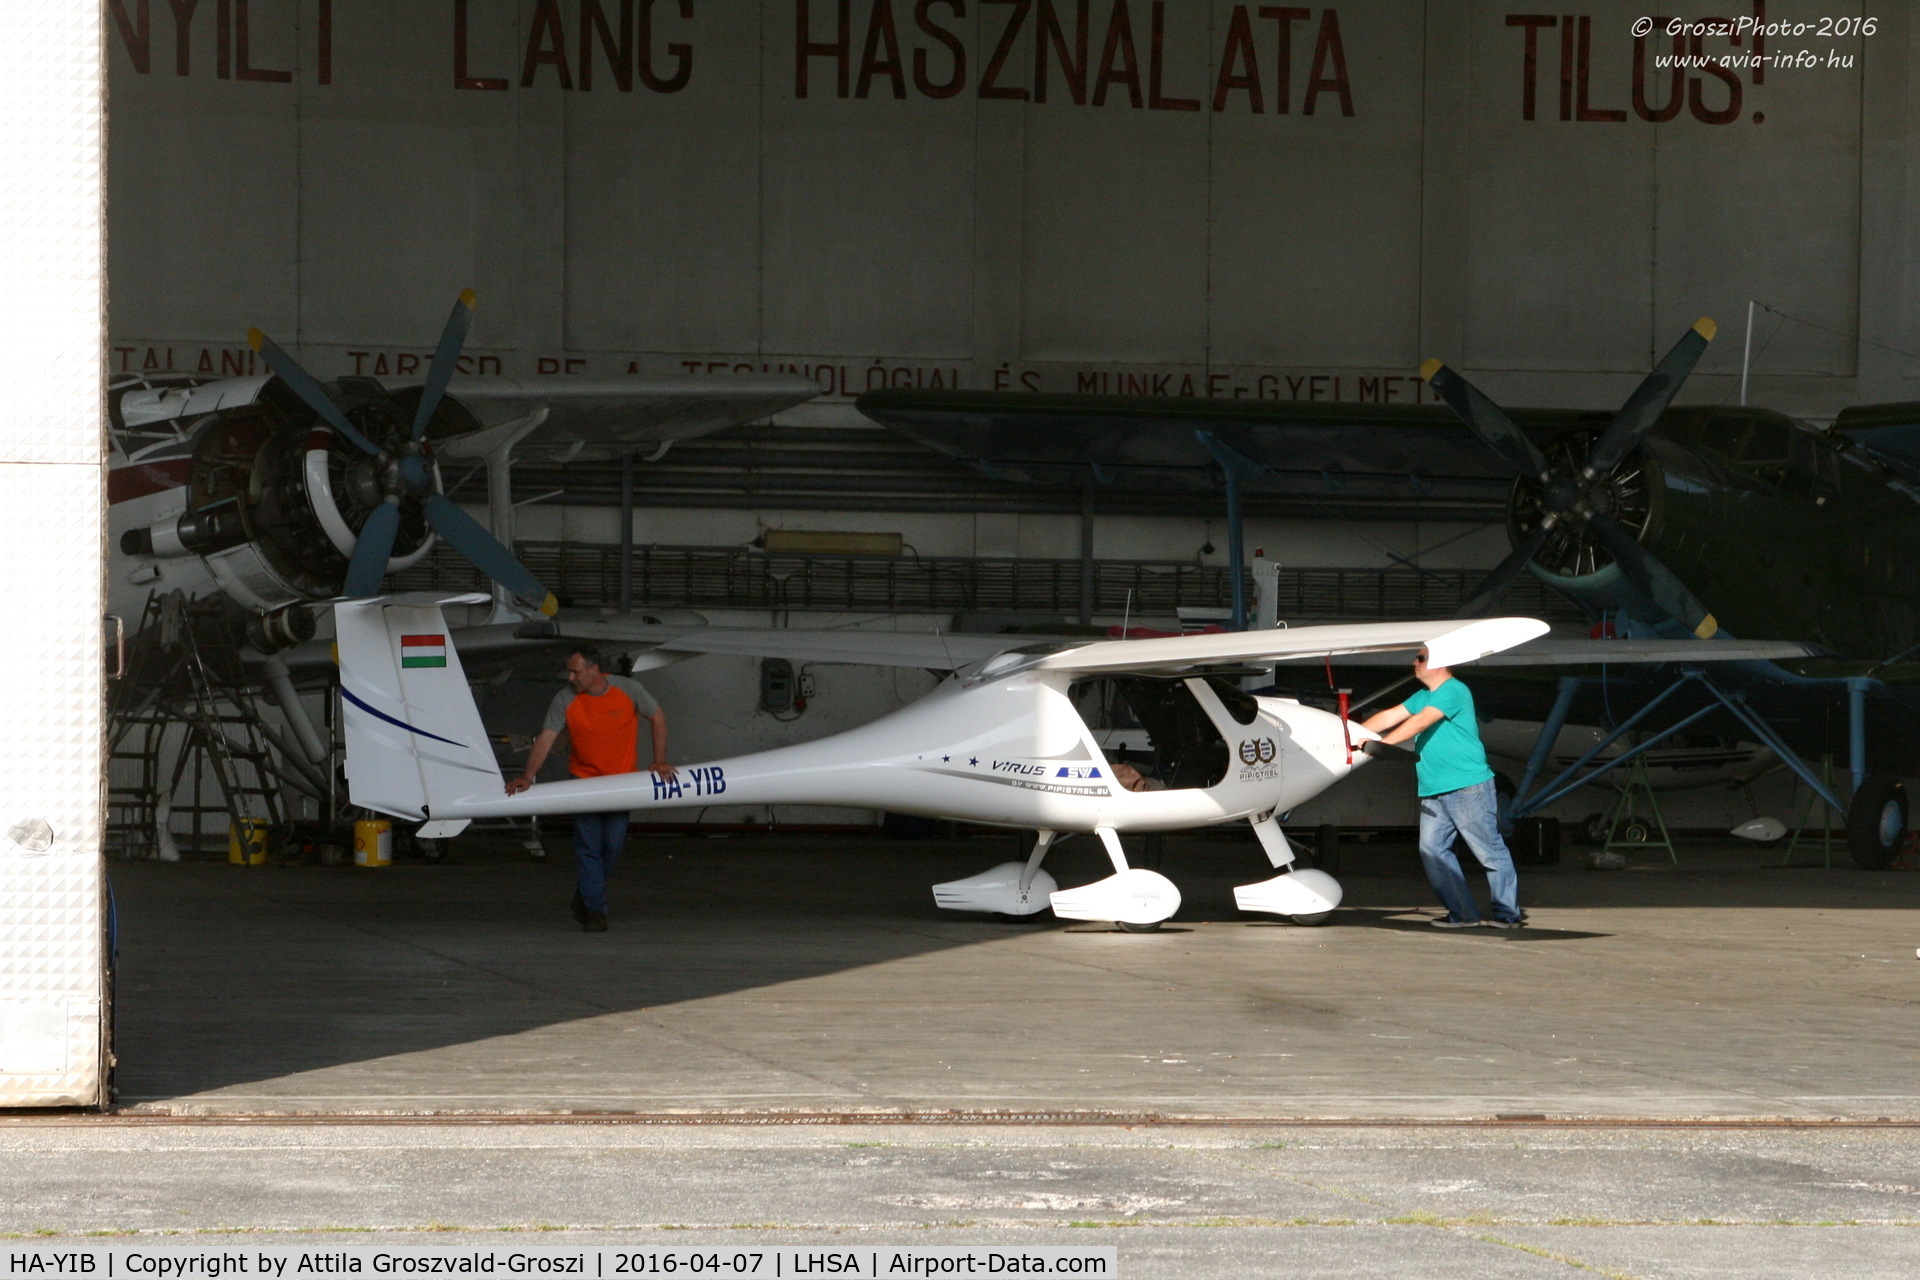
578 907
596 922
1453 922
1517 922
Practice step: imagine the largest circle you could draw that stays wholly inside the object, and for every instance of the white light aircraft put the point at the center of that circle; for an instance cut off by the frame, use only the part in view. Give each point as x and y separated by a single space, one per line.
998 743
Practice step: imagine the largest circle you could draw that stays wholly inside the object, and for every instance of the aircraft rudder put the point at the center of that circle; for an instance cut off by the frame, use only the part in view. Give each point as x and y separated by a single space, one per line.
414 736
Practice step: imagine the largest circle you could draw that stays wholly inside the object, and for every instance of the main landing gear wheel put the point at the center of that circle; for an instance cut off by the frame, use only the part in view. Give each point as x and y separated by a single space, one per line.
1877 821
1127 926
1318 917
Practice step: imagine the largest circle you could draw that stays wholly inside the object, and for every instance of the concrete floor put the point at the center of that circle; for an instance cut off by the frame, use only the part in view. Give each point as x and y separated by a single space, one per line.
334 1058
815 975
1467 1203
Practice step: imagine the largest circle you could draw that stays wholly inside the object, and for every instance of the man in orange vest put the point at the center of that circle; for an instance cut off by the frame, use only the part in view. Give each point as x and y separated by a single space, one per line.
601 715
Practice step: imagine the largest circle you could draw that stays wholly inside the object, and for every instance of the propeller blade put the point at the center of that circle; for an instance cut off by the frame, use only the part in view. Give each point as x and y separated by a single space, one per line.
446 359
372 549
1658 581
1495 584
1487 419
467 536
307 389
1650 399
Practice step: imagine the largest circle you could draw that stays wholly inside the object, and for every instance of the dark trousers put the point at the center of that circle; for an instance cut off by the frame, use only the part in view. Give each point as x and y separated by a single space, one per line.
598 839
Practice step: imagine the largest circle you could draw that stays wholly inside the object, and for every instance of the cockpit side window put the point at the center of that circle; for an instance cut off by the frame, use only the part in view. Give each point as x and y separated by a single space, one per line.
1188 750
1238 702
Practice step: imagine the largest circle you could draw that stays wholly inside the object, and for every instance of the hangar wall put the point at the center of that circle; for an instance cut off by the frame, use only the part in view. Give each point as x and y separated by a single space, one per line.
1192 197
1116 195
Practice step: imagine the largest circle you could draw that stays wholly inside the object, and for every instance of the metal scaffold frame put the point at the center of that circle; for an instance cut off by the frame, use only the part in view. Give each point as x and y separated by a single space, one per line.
1529 799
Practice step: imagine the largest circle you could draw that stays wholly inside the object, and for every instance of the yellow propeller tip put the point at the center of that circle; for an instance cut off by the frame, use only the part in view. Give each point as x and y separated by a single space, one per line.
1428 369
1706 328
1708 626
334 649
469 299
551 605
256 339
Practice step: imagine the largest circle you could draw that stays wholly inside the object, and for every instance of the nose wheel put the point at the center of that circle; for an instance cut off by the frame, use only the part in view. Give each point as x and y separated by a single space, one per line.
1304 896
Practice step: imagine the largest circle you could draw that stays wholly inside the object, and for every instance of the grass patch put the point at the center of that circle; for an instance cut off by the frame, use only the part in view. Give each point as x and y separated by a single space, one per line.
1562 1258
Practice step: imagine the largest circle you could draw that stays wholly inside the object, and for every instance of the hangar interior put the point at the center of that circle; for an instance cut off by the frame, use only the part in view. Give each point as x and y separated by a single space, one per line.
1170 223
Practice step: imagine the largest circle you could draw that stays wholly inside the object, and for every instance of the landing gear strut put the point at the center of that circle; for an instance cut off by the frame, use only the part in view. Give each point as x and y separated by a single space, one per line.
1134 898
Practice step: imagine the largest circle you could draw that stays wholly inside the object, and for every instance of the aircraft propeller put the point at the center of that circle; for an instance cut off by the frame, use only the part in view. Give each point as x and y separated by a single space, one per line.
1568 492
406 472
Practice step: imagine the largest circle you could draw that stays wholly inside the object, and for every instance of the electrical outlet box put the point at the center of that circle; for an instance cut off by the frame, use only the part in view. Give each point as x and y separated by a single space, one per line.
776 685
806 687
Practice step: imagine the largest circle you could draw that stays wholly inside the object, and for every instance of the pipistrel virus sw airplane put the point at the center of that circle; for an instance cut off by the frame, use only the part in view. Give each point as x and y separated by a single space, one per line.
999 743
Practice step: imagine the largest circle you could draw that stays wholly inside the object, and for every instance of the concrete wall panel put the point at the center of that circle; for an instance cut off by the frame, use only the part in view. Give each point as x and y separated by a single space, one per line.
663 212
1316 217
1117 218
904 210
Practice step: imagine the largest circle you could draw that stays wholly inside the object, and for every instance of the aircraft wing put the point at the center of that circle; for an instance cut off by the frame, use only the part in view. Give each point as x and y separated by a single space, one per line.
1550 652
1889 432
935 651
1449 644
600 416
1382 452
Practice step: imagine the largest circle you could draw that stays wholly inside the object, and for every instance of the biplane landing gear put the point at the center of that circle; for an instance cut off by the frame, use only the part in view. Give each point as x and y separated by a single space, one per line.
1877 822
1134 898
1013 889
1304 896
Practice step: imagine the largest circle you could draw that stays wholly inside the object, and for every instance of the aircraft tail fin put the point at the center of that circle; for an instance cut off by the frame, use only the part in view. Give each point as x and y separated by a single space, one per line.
414 736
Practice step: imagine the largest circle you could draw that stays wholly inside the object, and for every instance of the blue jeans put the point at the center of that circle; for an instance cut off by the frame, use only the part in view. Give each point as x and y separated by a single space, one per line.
598 839
1473 812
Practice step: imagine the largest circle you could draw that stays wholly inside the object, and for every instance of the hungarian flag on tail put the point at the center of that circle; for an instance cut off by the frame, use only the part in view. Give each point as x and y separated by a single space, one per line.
423 651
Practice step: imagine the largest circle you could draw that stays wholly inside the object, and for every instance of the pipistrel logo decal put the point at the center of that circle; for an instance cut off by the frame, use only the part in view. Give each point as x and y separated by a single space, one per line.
1257 756
423 651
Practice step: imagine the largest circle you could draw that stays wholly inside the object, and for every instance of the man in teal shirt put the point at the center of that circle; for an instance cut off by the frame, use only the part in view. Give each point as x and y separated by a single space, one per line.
1457 796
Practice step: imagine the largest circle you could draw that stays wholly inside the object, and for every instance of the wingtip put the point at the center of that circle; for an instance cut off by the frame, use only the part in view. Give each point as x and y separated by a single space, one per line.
551 605
256 339
469 299
1428 369
1706 328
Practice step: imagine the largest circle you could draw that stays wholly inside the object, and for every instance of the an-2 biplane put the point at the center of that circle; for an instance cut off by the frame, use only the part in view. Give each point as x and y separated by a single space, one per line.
1691 523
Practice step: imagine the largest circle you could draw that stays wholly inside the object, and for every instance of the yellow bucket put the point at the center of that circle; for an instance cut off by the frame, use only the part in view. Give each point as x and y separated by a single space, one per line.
373 843
247 842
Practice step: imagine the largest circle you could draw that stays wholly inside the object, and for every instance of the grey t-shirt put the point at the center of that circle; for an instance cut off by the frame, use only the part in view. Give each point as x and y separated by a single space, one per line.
643 702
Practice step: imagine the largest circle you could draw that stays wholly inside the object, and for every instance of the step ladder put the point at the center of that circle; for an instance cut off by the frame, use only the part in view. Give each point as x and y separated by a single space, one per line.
186 713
